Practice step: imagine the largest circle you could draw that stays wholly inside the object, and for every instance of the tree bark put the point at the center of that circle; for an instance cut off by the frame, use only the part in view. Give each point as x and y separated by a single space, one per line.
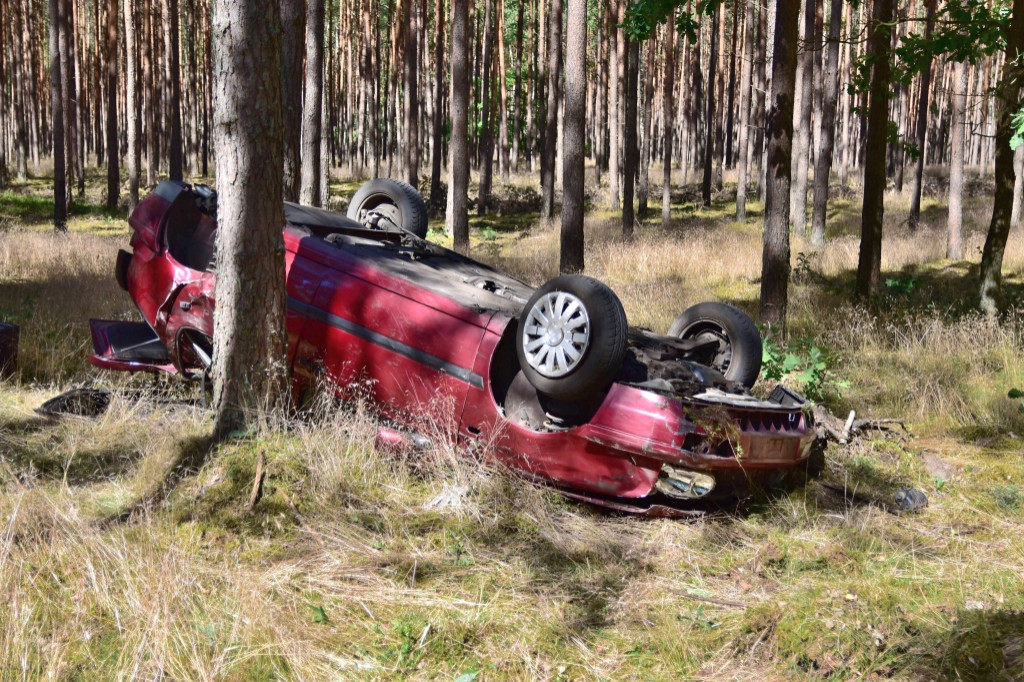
172 84
710 118
1007 103
411 108
574 131
614 108
954 221
486 127
922 123
668 116
249 370
293 39
113 158
60 205
438 122
458 166
802 138
823 168
744 132
630 151
644 186
870 262
554 96
132 104
312 125
775 253
517 92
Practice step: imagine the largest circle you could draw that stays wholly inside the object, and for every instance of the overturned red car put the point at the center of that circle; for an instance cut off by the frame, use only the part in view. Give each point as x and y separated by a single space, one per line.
551 380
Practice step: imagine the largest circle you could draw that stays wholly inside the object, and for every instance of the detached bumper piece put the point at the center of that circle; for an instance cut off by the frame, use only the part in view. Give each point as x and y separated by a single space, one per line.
131 346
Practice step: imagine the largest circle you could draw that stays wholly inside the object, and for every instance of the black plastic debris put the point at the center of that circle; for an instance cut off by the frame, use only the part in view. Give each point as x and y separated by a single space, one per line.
82 402
910 499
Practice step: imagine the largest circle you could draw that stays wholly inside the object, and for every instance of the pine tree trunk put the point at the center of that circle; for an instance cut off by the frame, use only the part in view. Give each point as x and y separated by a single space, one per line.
779 123
457 219
922 124
249 370
312 125
630 151
574 131
823 168
870 261
847 134
551 125
501 85
1018 187
614 90
60 206
954 222
293 40
729 159
486 127
643 190
745 118
759 123
172 84
802 138
1007 103
668 114
710 118
438 120
411 109
132 104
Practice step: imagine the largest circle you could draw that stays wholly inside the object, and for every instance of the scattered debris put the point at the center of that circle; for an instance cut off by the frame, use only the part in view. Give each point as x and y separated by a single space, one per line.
257 483
910 499
82 402
936 466
451 497
829 426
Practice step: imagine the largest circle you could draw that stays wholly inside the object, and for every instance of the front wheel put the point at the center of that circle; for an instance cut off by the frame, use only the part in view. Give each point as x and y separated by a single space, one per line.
572 338
737 350
395 200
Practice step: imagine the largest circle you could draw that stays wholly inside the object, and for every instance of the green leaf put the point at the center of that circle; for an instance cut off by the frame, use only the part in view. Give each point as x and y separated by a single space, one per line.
469 676
319 615
1015 393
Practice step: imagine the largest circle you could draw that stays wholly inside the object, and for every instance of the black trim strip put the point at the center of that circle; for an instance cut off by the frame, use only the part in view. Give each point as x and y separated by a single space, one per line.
391 344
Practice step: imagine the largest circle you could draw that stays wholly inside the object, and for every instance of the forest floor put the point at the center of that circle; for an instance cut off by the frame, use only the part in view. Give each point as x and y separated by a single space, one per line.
344 570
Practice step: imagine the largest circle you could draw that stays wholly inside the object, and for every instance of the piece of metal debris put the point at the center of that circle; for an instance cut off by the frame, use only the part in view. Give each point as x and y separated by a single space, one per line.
82 402
910 499
452 497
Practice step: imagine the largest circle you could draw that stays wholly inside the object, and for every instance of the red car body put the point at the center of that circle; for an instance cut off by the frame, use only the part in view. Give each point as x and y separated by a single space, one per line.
423 333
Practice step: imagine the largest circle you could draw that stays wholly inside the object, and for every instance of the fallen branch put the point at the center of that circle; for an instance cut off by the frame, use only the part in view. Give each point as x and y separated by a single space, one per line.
300 518
711 600
257 484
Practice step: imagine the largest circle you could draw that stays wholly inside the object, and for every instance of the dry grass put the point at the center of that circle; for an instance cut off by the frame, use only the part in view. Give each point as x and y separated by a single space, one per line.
128 549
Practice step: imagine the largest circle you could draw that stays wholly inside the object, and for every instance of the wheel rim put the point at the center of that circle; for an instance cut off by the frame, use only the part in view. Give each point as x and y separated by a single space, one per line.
710 332
382 204
557 334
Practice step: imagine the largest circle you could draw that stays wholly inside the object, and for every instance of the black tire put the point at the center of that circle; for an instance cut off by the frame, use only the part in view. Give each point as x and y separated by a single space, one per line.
398 201
739 343
602 321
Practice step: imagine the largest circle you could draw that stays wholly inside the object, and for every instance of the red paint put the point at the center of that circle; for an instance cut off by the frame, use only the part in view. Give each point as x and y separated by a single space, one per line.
336 299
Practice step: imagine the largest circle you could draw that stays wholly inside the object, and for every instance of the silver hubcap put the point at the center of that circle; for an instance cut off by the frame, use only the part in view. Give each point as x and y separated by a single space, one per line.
557 334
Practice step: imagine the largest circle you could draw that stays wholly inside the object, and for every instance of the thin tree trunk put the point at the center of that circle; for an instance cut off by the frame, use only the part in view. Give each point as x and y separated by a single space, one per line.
438 122
668 114
823 167
1018 187
458 166
732 86
574 131
709 143
847 155
954 222
60 205
517 93
614 89
501 85
113 158
132 104
922 124
1007 103
775 253
870 261
172 84
630 152
293 40
802 139
249 329
643 191
745 122
312 125
554 96
487 127
411 109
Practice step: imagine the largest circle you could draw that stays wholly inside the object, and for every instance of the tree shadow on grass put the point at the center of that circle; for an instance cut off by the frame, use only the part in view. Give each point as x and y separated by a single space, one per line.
978 644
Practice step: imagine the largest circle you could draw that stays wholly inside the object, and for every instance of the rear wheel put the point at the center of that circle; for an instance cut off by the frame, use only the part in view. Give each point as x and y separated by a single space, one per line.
737 349
395 200
572 338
